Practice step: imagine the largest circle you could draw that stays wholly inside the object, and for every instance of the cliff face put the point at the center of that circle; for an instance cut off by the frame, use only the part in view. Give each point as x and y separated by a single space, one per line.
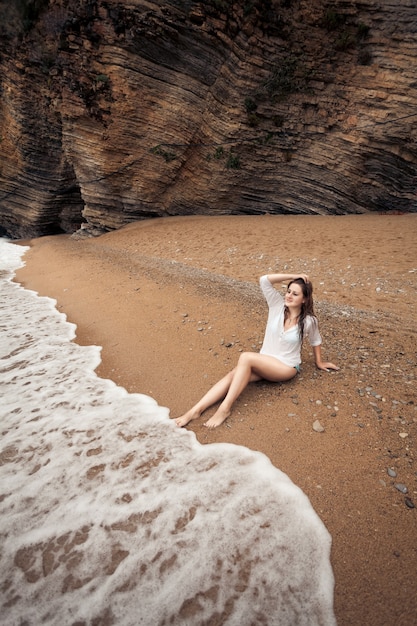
112 111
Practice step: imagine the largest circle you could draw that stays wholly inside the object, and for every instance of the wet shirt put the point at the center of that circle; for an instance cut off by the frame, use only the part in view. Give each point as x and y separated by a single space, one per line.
284 345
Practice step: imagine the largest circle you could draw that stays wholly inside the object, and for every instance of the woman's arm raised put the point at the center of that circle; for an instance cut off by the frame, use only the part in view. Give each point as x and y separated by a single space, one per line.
280 278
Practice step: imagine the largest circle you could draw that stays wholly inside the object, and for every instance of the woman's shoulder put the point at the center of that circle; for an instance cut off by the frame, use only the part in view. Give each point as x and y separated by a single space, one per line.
311 324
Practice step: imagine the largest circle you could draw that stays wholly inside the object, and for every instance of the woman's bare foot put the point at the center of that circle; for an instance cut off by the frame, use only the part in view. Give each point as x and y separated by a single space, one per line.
218 418
186 418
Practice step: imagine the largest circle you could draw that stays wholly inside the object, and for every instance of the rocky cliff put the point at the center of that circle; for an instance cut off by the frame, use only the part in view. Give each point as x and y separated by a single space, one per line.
117 110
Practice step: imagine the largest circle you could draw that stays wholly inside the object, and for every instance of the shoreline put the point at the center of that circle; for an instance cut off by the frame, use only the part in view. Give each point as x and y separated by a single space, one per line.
173 301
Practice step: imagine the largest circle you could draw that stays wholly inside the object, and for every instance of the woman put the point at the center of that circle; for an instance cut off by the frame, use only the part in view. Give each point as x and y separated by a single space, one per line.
290 319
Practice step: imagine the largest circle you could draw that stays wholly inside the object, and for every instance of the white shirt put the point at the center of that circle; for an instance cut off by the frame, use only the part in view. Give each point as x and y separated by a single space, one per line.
282 344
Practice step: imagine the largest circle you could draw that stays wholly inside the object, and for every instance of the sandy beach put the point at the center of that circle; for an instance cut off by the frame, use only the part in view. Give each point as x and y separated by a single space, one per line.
174 301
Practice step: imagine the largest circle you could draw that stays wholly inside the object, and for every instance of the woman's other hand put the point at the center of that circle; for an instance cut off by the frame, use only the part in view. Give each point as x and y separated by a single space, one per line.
326 366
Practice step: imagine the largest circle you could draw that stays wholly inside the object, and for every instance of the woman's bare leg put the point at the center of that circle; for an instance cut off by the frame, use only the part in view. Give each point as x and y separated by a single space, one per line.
215 394
251 366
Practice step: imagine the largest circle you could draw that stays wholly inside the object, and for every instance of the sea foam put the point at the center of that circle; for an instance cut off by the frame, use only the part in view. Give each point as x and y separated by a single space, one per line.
110 514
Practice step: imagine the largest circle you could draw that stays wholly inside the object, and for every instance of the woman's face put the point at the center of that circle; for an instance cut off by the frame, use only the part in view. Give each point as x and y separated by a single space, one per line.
294 296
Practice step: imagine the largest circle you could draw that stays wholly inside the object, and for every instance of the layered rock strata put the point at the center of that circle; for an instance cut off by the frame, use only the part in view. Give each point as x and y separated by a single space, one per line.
114 111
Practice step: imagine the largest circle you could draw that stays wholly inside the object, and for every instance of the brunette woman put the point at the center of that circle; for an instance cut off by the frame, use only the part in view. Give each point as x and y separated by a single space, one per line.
291 318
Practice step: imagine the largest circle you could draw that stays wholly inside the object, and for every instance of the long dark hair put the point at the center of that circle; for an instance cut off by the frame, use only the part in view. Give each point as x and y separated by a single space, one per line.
307 307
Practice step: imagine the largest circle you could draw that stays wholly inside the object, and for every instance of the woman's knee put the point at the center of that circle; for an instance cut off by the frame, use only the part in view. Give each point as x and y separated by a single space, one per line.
245 358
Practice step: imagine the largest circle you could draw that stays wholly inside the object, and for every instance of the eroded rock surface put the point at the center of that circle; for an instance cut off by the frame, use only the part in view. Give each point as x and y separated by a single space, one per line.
113 111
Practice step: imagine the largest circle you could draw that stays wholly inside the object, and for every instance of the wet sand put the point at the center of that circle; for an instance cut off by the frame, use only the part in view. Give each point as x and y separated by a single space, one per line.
174 301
